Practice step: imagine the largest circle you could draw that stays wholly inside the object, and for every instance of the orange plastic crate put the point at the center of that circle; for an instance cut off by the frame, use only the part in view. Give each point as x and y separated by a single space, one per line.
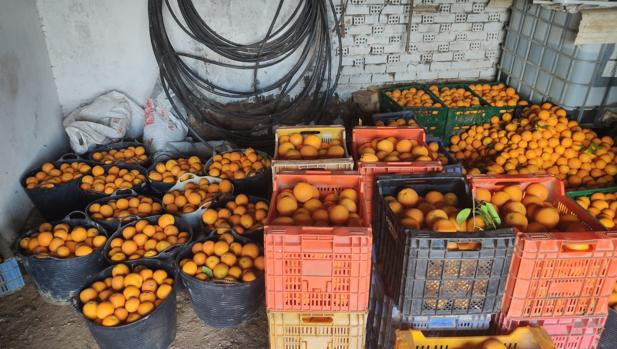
318 268
371 170
566 333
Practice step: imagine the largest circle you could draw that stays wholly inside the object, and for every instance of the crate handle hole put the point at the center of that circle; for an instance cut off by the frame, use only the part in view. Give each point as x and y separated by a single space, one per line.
311 132
464 246
577 247
318 319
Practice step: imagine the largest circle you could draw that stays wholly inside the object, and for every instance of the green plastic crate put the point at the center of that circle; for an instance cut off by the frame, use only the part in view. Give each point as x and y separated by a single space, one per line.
460 118
432 119
492 110
589 192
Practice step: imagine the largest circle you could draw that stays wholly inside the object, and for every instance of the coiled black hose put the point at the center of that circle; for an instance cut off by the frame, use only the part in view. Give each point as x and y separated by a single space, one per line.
314 75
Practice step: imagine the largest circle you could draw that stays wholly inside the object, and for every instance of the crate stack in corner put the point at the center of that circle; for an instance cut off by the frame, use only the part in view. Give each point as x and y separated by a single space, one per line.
318 275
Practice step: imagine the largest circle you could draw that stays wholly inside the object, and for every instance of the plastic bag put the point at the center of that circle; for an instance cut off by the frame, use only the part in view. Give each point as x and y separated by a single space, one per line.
110 117
161 123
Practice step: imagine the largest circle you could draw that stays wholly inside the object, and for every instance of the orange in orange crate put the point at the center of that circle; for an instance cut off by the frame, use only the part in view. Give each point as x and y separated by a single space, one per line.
320 266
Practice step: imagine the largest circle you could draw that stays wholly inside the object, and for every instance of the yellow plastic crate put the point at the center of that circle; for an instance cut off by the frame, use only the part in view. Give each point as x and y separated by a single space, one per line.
327 134
520 338
295 330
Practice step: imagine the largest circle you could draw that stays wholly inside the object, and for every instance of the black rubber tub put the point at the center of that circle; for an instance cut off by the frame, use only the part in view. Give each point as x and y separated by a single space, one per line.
167 255
59 279
121 145
113 225
256 235
258 185
222 304
156 330
161 188
91 195
55 203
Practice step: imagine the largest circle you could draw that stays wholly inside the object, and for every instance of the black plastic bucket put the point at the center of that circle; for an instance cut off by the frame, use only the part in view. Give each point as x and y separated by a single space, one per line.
91 195
112 225
59 279
222 304
161 188
256 235
153 331
167 255
258 185
121 145
55 203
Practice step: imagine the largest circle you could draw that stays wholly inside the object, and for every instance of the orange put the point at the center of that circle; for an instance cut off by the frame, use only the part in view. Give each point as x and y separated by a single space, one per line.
165 220
104 309
517 220
499 198
547 216
221 247
537 190
444 225
250 250
303 191
90 310
482 194
163 291
338 214
434 197
286 205
407 197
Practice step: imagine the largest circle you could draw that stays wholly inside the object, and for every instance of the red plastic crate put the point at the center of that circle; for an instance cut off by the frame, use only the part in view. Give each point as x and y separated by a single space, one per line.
371 170
566 333
318 268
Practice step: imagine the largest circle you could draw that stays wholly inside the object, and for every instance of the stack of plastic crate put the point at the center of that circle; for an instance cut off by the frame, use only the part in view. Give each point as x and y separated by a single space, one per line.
427 284
559 280
317 278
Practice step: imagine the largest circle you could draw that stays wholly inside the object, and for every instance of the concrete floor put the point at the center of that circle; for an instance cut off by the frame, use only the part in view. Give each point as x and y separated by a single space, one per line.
27 321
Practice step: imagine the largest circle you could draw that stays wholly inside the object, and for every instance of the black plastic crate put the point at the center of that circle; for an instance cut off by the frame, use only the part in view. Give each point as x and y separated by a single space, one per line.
608 340
427 279
385 118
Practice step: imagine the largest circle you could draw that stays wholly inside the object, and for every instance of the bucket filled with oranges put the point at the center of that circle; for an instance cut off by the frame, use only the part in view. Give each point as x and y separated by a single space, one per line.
224 277
104 180
154 237
60 255
193 194
244 215
167 170
122 207
248 169
130 306
128 153
57 182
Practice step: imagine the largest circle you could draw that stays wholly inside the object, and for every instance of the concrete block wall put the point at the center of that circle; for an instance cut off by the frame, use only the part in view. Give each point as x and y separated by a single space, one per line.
449 39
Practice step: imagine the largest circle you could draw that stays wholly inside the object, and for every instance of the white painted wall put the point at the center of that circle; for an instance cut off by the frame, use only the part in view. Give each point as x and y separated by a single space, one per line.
29 108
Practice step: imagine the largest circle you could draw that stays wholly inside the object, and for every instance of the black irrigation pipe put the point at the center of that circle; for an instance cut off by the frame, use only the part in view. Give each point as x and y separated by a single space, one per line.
305 32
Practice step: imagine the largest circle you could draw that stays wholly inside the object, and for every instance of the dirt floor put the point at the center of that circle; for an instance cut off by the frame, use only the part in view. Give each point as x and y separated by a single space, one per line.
27 321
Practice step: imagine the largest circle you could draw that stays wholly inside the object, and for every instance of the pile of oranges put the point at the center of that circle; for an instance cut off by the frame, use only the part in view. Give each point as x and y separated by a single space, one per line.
49 176
117 209
297 146
542 141
455 97
397 123
603 206
224 259
498 95
238 214
171 170
143 239
412 97
63 241
193 195
238 165
528 210
305 205
435 211
126 296
108 181
128 155
391 149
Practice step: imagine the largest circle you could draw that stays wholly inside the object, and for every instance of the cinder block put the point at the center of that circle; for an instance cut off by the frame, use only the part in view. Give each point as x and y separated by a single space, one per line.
460 27
447 36
488 74
356 9
459 45
352 70
438 66
442 57
371 19
418 68
427 75
474 54
428 28
476 36
382 78
444 2
491 45
360 79
396 68
403 77
393 48
378 39
395 29
493 26
375 59
469 74
375 68
426 46
413 57
461 7
347 60
477 17
479 64
392 9
447 74
416 36
444 18
359 50
359 29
